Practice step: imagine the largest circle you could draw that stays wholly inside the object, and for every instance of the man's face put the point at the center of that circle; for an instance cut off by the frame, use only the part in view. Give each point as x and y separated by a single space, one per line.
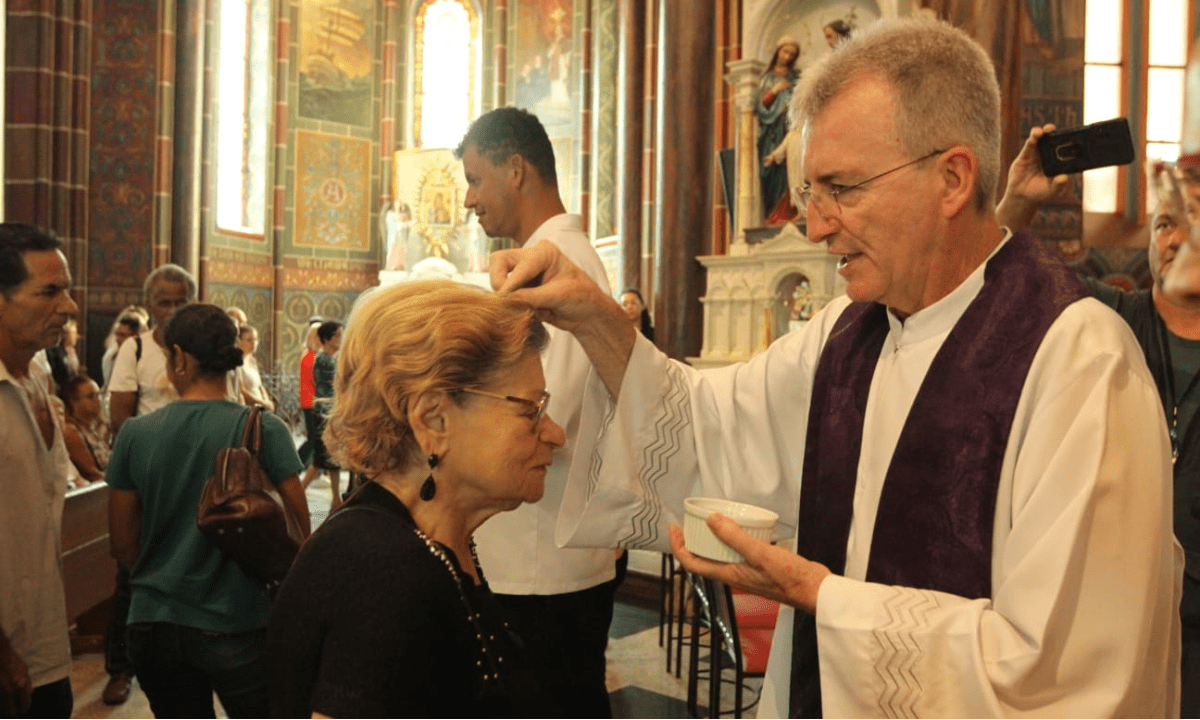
32 317
165 297
491 193
885 227
1168 230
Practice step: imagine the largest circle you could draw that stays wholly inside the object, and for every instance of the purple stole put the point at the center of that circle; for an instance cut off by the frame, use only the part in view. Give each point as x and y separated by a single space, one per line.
937 508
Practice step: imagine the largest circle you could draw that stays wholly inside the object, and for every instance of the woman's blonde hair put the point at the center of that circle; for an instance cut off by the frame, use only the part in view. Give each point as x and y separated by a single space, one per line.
409 339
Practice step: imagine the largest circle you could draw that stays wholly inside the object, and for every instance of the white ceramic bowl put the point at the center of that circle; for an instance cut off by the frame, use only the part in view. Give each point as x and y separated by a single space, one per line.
757 522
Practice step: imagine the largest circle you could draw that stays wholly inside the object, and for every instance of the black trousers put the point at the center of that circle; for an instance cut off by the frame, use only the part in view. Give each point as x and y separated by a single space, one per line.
565 638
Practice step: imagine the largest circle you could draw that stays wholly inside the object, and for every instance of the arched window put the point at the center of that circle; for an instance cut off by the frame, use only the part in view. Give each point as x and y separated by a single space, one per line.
242 63
446 71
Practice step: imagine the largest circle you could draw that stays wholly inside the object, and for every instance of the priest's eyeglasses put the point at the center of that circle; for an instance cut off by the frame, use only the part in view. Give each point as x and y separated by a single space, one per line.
827 199
537 407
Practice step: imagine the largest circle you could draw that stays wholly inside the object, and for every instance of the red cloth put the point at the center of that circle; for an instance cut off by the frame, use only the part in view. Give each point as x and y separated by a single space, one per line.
307 389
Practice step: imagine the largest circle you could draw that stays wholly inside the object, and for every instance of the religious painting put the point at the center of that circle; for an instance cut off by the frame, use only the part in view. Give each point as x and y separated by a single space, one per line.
333 182
546 71
337 51
546 60
438 231
796 35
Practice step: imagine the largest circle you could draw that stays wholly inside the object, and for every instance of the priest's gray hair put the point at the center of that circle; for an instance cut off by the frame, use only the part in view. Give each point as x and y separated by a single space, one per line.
944 81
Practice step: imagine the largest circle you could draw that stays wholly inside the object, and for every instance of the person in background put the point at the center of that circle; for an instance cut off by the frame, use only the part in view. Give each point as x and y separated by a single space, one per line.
238 315
250 380
981 491
324 369
635 310
560 600
197 622
1168 332
140 384
312 429
85 432
63 358
441 402
836 32
35 651
124 328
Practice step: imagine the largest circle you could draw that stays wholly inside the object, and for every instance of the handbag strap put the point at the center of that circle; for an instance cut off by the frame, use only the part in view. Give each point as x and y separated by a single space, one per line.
252 431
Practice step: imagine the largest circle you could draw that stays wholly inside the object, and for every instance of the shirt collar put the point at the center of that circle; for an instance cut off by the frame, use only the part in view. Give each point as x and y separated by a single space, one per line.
555 224
941 316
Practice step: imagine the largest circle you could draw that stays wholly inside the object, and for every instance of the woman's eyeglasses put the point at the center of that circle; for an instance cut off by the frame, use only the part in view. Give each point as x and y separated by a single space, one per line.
538 406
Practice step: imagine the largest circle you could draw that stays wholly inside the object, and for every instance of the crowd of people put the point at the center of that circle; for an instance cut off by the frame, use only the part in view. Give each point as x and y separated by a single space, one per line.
984 478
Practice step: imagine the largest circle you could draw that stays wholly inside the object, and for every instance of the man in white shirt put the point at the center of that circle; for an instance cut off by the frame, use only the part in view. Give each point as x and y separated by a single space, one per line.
971 449
35 651
559 599
139 385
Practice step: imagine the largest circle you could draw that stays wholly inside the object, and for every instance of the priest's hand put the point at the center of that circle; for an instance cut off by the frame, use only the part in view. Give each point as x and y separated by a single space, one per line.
567 298
768 570
543 277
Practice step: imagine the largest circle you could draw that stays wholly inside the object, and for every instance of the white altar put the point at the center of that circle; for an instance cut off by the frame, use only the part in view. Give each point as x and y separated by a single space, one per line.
771 289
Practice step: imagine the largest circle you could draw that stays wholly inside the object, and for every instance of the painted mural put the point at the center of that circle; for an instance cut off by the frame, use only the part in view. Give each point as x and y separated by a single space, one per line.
545 71
431 227
333 182
336 53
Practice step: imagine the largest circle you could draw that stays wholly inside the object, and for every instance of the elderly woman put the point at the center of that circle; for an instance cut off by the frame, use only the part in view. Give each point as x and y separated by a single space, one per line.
440 402
197 622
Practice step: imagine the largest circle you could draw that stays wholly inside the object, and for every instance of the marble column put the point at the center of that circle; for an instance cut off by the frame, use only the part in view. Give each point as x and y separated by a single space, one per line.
630 90
685 171
743 76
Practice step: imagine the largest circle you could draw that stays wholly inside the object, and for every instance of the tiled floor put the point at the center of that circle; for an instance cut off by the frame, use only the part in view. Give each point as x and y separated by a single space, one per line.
638 682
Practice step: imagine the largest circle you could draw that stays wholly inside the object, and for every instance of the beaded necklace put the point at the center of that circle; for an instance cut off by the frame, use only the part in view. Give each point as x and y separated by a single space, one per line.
491 674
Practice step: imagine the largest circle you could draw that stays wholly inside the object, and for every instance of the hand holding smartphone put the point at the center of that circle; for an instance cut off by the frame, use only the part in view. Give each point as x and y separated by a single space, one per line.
1084 148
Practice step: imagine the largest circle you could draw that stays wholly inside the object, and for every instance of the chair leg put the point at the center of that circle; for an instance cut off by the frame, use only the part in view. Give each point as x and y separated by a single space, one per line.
663 598
715 664
693 667
683 597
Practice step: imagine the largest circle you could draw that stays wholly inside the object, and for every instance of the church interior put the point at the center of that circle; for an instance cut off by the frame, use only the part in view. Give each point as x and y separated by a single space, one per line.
292 154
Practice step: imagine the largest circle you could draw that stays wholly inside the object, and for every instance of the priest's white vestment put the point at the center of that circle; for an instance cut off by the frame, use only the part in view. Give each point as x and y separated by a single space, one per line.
1086 575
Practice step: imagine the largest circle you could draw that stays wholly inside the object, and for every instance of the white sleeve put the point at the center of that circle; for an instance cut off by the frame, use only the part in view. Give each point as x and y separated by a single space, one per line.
736 432
124 372
1083 620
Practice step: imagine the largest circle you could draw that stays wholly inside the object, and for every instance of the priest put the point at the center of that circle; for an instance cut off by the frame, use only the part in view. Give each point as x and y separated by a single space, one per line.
970 447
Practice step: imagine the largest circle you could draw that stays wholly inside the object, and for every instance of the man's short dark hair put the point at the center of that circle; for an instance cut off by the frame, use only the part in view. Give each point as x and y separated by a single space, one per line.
328 329
508 131
16 239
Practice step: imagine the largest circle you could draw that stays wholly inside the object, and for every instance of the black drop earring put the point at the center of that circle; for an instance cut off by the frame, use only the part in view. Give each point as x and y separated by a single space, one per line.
429 487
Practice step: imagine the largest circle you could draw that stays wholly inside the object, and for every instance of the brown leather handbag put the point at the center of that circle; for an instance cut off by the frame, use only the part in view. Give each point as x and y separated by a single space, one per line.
242 513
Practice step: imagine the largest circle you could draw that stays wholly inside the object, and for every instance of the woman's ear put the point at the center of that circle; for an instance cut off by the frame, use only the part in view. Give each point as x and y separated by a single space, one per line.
428 416
179 360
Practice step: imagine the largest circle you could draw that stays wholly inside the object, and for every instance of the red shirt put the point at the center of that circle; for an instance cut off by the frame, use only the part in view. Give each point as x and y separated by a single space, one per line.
306 379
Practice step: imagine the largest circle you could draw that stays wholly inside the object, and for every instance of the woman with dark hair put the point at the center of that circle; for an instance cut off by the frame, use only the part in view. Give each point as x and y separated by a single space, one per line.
440 401
197 623
635 309
85 432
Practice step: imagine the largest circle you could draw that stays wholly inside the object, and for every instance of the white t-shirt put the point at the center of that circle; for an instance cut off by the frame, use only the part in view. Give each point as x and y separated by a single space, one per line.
147 377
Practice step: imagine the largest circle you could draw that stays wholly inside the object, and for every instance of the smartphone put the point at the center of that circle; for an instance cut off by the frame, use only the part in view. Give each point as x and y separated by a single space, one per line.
1077 149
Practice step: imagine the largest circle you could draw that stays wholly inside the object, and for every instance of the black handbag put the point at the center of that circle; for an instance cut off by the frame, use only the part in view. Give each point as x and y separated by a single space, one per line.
242 513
